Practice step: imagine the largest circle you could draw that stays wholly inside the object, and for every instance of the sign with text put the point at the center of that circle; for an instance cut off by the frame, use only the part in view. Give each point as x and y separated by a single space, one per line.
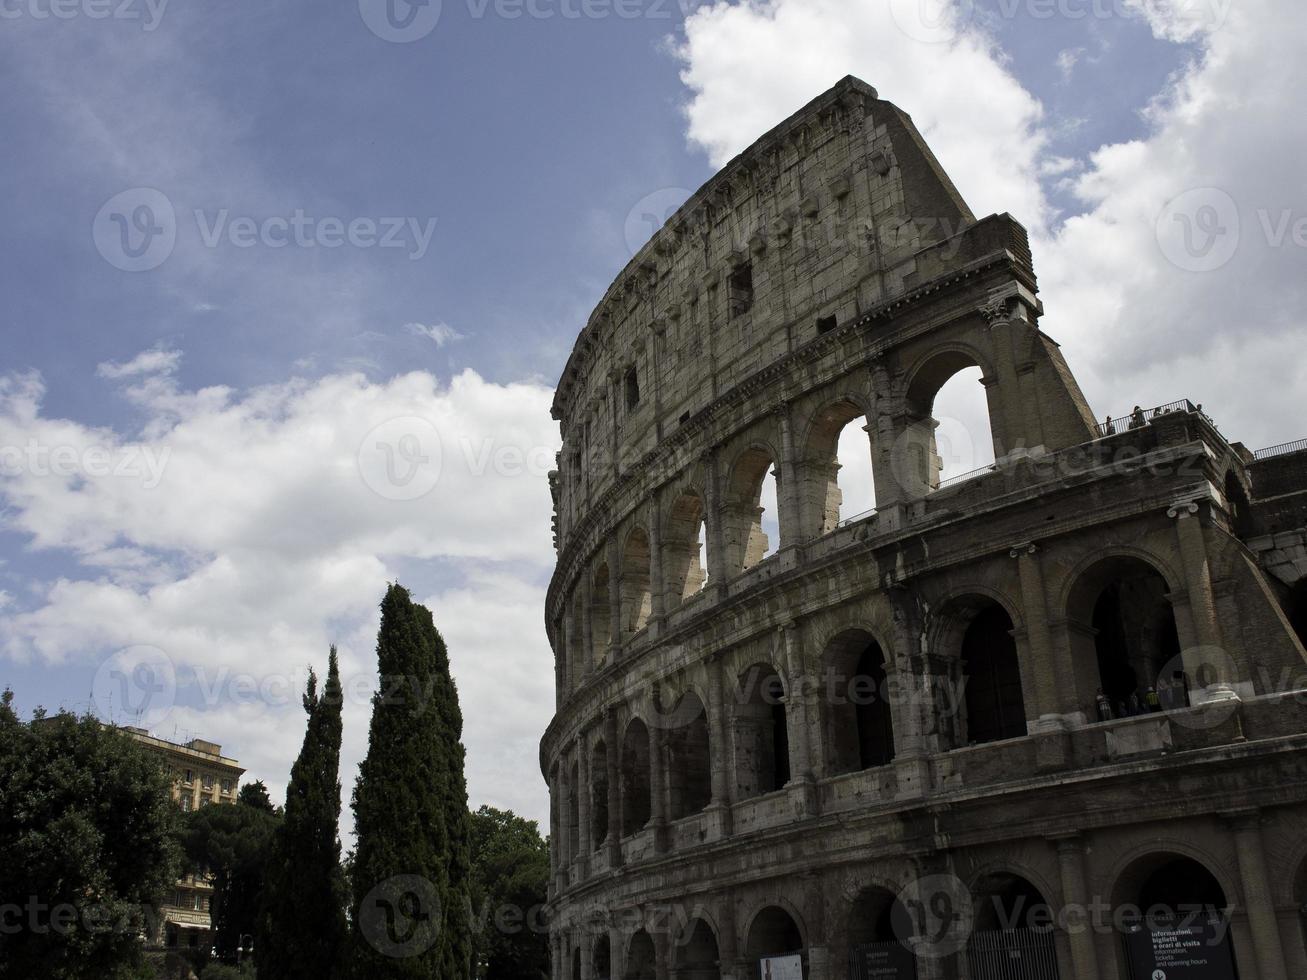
882 961
782 968
1183 949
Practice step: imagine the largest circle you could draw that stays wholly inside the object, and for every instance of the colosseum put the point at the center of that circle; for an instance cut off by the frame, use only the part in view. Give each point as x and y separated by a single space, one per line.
1046 719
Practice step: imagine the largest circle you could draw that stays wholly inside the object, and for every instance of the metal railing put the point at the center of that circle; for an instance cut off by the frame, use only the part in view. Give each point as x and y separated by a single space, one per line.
1281 449
969 475
1130 420
856 517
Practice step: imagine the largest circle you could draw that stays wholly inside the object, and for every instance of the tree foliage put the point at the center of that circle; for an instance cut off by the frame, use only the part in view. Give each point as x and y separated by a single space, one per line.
255 794
302 928
410 871
88 845
510 875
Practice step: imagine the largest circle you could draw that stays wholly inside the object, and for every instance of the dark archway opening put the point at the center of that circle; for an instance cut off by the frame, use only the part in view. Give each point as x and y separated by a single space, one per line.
1012 933
995 705
635 778
773 933
603 959
1295 607
641 959
599 795
689 758
1168 894
860 731
697 957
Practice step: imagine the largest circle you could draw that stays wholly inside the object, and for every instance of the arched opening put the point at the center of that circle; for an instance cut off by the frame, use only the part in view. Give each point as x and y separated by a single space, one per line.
762 757
1165 900
689 761
948 432
1295 607
1241 511
576 964
603 959
836 481
696 955
637 600
635 778
599 795
641 959
1124 642
880 930
991 674
1012 931
685 563
601 624
859 726
773 934
1300 902
574 791
750 527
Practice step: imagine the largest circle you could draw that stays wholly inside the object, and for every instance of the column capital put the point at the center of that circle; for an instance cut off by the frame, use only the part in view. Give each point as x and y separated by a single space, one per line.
1182 509
1245 818
1070 842
1023 549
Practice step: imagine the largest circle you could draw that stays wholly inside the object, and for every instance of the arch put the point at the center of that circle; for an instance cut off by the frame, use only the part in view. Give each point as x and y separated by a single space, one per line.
917 458
1012 929
745 542
834 439
876 916
636 596
762 744
576 963
602 958
1295 607
689 758
993 697
1124 641
773 932
599 794
635 778
641 958
1239 506
859 723
696 955
684 561
1168 889
601 624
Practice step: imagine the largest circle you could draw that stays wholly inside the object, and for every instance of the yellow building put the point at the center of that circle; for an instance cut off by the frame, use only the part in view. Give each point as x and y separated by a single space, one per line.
202 776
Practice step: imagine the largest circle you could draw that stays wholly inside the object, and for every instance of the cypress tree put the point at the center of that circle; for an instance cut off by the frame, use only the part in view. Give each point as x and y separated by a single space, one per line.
411 904
303 926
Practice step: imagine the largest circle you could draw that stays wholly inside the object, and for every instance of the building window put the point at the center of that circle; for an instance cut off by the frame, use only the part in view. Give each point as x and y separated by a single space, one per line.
740 288
825 324
190 777
631 385
207 782
226 785
187 804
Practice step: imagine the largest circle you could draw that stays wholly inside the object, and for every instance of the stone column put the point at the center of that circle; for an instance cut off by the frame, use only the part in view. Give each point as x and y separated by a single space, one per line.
1210 666
719 808
587 945
728 952
713 517
658 779
557 953
1254 877
1008 423
614 839
908 697
587 626
565 854
583 805
614 599
1075 895
804 787
657 587
1045 671
788 491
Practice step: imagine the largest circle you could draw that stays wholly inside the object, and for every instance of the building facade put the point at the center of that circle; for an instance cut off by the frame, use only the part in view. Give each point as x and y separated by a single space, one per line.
201 776
1045 720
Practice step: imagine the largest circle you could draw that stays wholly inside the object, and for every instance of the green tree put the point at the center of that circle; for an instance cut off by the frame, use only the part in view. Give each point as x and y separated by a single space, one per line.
255 794
510 877
88 844
234 844
302 929
411 865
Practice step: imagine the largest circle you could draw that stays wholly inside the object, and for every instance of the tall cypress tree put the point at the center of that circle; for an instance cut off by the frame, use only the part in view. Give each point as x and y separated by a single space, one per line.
303 928
411 905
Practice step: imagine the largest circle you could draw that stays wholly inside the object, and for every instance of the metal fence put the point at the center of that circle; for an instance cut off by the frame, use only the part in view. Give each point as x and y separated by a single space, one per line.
1124 423
1012 954
1281 449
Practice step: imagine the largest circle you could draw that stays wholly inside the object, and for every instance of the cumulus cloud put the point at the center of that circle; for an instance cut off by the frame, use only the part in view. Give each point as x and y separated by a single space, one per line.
243 531
157 360
1170 278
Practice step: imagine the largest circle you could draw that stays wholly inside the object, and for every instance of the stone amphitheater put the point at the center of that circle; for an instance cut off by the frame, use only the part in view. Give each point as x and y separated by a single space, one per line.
1042 720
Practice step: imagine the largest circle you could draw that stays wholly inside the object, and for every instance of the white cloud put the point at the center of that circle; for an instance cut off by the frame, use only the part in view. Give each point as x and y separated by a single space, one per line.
158 360
439 333
1136 327
1067 59
243 531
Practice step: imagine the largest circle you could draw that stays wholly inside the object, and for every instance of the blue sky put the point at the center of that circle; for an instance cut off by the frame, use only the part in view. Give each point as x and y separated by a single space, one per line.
522 145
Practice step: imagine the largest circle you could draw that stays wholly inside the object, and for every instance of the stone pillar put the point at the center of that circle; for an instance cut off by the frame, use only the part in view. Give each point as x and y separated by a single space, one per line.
658 779
909 697
1254 877
719 731
1049 708
713 518
565 854
1008 423
818 942
583 805
587 945
788 491
614 839
614 600
804 787
587 626
728 951
883 434
662 952
1211 665
657 587
1075 895
557 953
